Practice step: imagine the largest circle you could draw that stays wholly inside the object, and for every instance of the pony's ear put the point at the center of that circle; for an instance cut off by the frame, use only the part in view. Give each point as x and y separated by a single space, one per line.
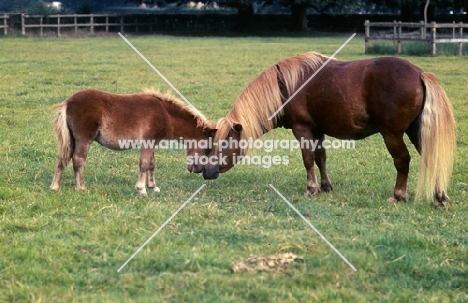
237 127
212 132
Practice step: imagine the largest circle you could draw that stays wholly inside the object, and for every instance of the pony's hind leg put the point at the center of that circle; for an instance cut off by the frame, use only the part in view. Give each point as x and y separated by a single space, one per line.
401 159
150 175
61 165
80 154
321 161
144 163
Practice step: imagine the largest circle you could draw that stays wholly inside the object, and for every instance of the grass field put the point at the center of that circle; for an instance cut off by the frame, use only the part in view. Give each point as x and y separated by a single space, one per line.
66 246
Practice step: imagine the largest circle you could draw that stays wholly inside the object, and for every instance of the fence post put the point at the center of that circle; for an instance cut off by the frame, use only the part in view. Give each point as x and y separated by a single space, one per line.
121 24
58 25
433 39
422 29
399 38
41 28
5 23
366 36
107 23
453 30
75 23
23 29
460 44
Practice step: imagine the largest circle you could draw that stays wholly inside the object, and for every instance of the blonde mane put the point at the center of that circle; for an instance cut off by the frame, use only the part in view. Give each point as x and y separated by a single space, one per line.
263 97
202 122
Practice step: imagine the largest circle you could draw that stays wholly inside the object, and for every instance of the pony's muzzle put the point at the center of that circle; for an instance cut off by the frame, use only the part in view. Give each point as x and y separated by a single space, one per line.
192 168
211 173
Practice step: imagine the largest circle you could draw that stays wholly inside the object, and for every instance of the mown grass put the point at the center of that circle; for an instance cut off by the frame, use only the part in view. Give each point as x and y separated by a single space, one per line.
66 246
413 49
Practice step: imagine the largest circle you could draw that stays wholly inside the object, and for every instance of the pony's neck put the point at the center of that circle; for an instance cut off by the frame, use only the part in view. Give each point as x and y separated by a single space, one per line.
257 103
184 123
259 108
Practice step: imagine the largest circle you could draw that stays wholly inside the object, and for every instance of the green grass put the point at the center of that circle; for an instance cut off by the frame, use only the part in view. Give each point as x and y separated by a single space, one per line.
414 49
66 246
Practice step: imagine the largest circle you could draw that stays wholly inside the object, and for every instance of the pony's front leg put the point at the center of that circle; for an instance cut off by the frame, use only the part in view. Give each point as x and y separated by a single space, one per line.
303 134
144 163
321 161
150 174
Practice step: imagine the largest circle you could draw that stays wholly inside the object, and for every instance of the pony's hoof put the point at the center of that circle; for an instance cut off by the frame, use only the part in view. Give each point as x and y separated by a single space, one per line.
439 204
82 188
326 188
141 190
156 189
54 187
441 201
394 199
312 192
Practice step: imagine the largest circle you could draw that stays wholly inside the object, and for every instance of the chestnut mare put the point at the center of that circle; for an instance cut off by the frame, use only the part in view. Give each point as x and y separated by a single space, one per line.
92 115
348 100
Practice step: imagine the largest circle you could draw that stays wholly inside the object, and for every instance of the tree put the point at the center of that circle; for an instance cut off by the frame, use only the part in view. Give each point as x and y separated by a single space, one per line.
245 12
409 7
299 9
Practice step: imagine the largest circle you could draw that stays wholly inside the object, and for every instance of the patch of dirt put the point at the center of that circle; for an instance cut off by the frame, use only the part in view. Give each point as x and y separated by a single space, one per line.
274 263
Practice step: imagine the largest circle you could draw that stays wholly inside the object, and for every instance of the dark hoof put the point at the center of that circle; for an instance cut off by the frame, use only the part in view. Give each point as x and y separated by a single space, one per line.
438 204
441 201
326 188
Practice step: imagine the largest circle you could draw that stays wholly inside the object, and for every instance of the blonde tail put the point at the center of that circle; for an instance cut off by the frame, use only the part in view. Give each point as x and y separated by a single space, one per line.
438 141
62 133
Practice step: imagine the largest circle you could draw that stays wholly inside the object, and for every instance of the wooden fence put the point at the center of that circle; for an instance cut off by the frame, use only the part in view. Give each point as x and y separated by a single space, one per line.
80 21
402 31
4 24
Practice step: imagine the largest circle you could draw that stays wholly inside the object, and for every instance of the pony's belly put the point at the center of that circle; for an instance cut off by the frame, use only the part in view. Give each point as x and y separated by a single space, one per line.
352 135
115 145
355 131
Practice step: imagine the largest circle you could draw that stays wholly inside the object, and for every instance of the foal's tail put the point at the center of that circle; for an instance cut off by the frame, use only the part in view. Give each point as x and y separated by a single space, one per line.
437 138
62 133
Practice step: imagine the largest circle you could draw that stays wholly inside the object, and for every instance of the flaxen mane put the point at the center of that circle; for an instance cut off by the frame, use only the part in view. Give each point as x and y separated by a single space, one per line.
263 96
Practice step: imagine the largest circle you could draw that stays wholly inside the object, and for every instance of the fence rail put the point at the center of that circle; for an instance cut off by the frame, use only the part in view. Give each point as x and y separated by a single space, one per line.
80 21
4 24
407 31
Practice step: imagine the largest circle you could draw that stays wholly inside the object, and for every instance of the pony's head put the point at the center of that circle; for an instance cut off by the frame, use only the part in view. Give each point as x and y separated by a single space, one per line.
196 132
226 148
257 110
198 148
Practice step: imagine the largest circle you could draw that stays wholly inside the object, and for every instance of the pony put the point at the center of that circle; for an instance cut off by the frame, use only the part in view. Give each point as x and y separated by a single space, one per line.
348 100
115 121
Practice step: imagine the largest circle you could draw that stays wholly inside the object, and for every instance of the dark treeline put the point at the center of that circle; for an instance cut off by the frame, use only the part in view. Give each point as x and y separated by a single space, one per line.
299 12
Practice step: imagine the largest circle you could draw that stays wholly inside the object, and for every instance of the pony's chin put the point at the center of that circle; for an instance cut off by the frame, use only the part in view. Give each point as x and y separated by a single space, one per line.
194 169
210 175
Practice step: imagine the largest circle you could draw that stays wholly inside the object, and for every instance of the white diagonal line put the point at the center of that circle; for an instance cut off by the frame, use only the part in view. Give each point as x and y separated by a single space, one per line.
311 77
314 229
162 226
161 75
